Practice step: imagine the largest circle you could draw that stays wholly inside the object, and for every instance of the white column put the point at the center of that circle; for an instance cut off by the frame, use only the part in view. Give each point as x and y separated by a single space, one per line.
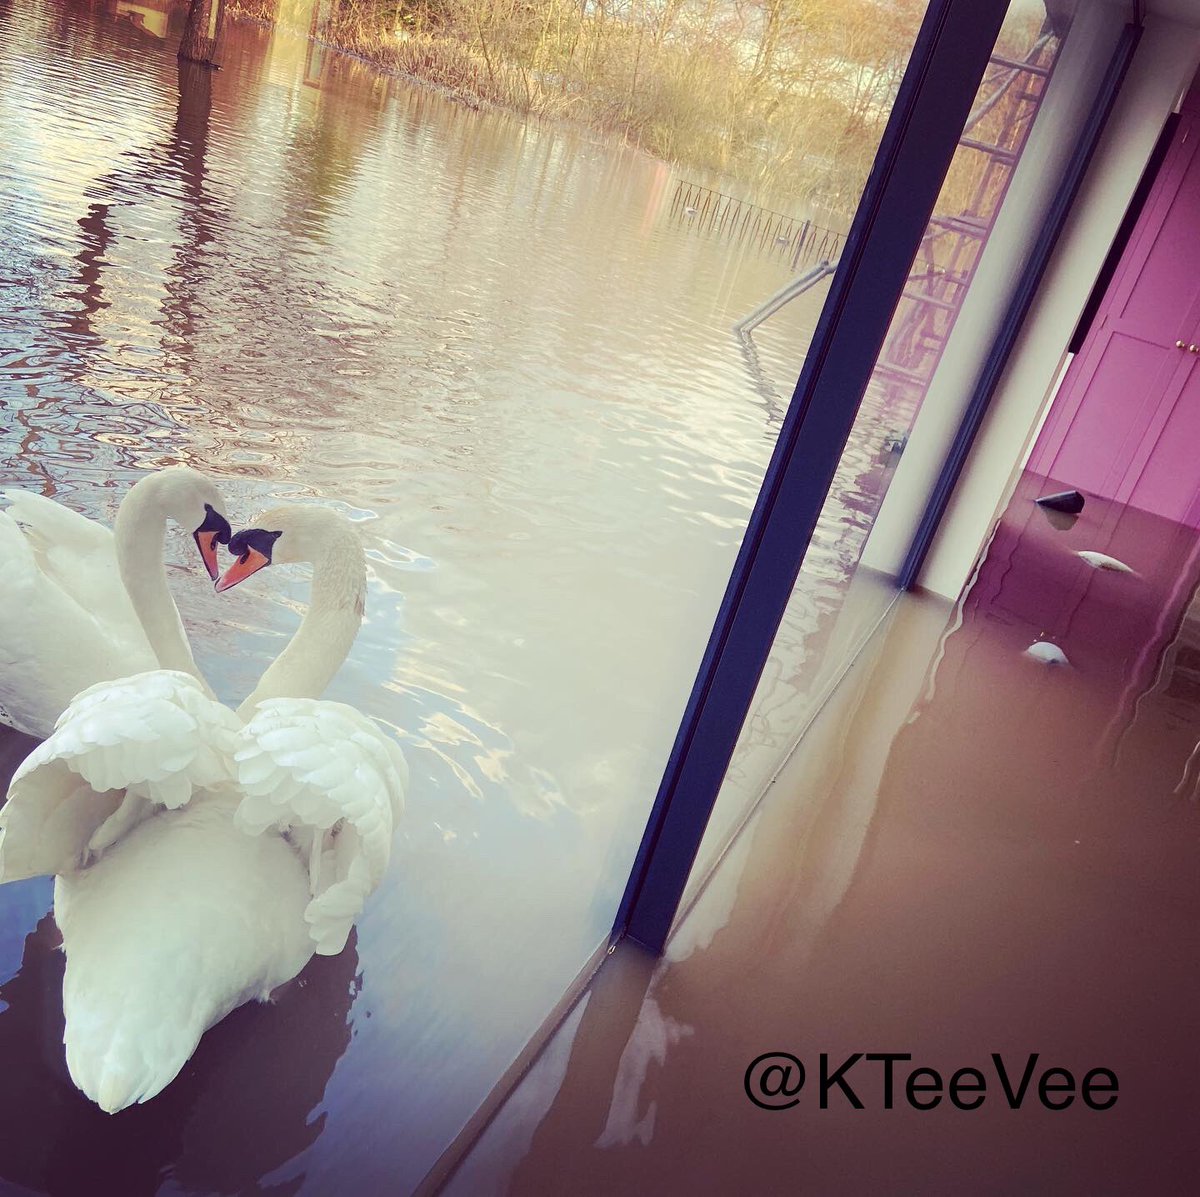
1163 65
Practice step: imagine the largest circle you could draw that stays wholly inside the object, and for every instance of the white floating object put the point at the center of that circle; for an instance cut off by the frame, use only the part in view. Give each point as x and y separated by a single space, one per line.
1104 561
1050 654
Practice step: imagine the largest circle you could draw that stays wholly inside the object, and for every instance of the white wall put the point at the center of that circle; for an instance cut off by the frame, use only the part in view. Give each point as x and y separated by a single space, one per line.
1164 63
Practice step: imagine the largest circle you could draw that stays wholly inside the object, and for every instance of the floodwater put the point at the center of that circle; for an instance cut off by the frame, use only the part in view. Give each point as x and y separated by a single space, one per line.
972 852
494 345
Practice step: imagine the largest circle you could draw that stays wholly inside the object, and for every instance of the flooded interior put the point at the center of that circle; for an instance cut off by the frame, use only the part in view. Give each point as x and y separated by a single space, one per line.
973 851
498 347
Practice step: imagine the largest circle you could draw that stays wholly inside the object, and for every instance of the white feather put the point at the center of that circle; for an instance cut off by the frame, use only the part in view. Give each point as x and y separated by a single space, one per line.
311 769
154 736
170 914
176 925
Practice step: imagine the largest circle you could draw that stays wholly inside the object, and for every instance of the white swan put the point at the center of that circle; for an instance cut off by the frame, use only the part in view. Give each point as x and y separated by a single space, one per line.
80 604
203 856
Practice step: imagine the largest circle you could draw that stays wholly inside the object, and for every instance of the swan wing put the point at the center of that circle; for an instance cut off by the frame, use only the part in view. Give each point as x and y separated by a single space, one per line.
120 750
79 556
328 777
49 525
65 619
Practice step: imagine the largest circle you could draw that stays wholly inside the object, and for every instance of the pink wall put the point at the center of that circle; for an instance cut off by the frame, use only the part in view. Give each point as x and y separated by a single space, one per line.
1126 422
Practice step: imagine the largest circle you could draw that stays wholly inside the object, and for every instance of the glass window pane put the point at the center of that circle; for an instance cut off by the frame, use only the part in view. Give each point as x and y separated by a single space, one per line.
843 591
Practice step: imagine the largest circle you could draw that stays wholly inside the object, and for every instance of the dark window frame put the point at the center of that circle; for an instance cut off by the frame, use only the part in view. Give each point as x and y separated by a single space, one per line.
947 64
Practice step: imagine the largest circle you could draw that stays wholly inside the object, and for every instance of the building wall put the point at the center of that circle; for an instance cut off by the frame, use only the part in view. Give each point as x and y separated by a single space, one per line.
1164 64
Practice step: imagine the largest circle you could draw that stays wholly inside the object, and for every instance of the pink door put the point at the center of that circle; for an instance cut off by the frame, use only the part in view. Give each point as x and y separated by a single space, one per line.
1126 422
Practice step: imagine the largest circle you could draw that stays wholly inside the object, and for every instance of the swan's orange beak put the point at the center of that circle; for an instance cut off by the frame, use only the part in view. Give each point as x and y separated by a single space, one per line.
206 542
213 531
250 562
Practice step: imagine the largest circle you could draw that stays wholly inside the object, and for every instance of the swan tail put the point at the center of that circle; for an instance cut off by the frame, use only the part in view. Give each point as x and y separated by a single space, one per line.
119 751
122 1074
182 921
322 770
337 903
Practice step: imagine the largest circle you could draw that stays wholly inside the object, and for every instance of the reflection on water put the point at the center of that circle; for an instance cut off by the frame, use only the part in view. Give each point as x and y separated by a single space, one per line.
1126 636
485 341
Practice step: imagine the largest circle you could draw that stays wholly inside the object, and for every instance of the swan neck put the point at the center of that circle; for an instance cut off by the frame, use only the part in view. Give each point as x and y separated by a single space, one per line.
326 633
140 531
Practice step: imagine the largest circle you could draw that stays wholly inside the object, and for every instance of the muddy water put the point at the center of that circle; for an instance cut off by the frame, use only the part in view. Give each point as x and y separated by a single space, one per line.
492 345
972 852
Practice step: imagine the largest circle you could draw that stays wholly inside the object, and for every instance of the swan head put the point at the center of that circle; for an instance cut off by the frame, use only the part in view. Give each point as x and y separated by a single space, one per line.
253 549
193 502
288 535
212 531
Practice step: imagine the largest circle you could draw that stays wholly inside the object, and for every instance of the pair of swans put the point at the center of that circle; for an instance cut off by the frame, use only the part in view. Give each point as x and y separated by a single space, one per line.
201 855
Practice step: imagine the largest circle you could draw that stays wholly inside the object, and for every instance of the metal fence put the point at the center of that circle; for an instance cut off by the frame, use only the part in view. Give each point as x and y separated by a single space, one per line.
739 220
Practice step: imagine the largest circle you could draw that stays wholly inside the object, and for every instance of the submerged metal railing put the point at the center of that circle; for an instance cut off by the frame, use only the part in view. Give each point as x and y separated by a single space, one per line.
784 295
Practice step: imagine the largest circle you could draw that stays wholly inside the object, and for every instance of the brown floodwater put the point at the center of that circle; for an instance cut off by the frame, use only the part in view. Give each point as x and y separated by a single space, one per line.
972 852
497 347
